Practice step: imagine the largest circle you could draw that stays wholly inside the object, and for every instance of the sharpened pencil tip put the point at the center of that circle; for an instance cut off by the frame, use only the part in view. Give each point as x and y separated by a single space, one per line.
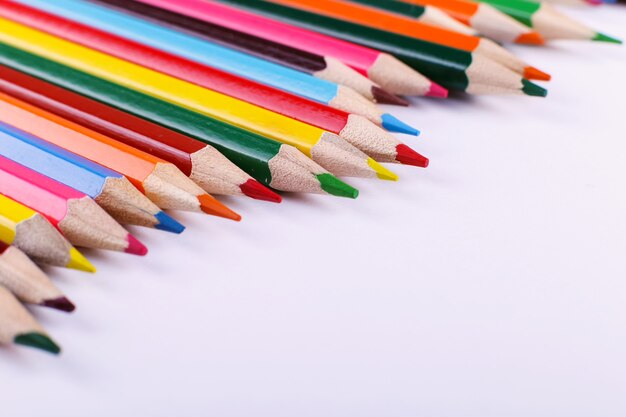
533 73
382 172
408 156
210 205
168 224
531 38
437 91
79 262
392 124
385 97
531 89
135 247
61 303
601 37
37 340
334 186
254 189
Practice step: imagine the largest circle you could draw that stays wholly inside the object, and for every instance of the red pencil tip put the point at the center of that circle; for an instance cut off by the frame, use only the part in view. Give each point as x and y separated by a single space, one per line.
61 303
532 73
254 189
531 38
210 205
437 91
135 247
408 156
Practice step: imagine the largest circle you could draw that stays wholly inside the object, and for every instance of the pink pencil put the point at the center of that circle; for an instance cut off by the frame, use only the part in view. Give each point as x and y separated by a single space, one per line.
382 68
75 214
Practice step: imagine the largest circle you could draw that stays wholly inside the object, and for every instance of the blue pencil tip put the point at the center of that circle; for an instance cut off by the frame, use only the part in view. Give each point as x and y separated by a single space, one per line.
168 224
394 125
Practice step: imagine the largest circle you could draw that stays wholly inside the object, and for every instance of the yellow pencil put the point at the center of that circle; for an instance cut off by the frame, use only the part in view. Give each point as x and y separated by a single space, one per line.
327 149
34 235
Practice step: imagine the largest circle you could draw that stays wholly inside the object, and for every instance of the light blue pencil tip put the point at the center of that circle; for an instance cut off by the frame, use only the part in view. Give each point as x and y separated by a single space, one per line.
168 224
394 125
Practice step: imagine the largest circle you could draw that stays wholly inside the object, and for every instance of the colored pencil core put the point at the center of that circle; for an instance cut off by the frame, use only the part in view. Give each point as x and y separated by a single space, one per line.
394 125
531 89
408 156
601 37
37 340
334 186
533 73
210 205
135 247
256 190
168 224
531 38
61 303
382 172
79 262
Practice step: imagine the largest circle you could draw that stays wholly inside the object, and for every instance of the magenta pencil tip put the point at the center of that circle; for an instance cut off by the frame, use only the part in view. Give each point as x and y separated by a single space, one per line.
437 91
135 247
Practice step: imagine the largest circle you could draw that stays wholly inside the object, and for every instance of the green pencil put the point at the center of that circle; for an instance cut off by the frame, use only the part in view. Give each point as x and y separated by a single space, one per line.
549 22
453 68
279 166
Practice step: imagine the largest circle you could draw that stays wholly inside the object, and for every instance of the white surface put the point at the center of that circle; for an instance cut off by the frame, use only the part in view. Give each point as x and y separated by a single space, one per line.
491 284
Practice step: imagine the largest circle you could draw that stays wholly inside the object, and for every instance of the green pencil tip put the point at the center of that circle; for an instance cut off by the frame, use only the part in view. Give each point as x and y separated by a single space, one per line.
601 37
334 186
532 89
39 341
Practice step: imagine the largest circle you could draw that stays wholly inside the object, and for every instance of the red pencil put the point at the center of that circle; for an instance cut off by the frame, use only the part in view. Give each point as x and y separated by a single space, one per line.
76 215
357 130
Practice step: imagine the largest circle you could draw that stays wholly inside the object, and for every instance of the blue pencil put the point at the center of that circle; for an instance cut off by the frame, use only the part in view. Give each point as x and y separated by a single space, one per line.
110 189
207 53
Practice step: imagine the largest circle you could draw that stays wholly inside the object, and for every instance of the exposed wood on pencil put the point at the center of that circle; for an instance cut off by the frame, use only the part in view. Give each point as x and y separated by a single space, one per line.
27 282
29 231
18 326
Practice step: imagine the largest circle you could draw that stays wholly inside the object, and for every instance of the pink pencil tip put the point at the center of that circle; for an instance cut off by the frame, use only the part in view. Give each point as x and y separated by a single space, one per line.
135 247
437 91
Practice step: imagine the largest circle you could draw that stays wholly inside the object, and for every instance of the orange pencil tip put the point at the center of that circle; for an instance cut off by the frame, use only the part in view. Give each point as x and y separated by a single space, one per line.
532 73
531 38
210 205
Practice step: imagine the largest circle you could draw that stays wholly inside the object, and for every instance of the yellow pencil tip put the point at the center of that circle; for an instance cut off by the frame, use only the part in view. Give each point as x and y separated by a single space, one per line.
382 172
79 262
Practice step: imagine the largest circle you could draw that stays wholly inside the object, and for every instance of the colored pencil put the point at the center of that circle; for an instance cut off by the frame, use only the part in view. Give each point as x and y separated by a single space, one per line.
486 19
273 164
33 234
355 129
451 67
111 190
329 150
548 21
201 162
27 282
316 65
18 326
143 31
76 215
424 14
382 68
404 26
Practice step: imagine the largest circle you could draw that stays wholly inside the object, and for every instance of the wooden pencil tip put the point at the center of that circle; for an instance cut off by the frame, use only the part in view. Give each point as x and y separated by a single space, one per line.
61 303
384 97
135 247
408 156
210 205
79 262
37 340
533 73
254 189
531 38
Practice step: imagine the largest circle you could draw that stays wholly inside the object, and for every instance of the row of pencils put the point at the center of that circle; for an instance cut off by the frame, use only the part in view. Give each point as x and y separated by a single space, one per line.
112 111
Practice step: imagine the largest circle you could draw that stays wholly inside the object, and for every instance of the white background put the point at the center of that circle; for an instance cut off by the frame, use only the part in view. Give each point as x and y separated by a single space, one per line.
492 284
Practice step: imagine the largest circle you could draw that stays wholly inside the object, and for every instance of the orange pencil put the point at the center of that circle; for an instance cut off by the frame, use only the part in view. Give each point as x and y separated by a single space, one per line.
161 181
401 25
485 18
